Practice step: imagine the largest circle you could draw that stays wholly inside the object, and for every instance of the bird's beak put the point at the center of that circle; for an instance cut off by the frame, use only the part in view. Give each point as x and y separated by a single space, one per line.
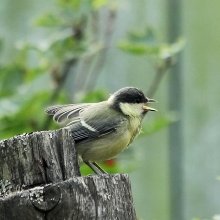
151 100
147 108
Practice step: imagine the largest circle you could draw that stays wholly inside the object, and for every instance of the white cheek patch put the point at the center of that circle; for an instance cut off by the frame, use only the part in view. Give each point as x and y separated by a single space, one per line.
132 110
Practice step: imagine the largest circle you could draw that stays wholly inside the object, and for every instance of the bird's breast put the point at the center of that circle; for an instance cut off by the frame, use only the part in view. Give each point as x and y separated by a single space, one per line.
104 148
109 146
134 127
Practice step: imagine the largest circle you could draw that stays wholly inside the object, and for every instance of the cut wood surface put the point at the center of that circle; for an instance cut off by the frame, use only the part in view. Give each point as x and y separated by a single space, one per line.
40 179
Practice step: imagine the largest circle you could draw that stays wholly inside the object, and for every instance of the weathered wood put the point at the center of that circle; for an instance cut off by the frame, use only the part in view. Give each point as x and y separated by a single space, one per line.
40 179
37 158
92 197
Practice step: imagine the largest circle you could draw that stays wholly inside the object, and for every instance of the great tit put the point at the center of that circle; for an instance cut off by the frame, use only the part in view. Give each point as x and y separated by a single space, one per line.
102 130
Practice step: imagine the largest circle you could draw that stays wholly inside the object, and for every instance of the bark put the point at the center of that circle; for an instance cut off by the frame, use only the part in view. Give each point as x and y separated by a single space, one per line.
40 179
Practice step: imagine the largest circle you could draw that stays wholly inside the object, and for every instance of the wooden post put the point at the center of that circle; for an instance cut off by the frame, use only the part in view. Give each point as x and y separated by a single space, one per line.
40 179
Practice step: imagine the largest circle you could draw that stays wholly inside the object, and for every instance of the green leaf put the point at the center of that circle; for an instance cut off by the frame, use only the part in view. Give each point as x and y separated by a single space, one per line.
138 48
62 45
67 47
146 36
10 77
74 4
25 118
99 3
170 50
145 43
12 104
140 42
49 20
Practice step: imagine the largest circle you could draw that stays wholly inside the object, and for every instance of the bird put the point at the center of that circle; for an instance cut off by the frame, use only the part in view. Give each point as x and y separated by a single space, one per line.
104 129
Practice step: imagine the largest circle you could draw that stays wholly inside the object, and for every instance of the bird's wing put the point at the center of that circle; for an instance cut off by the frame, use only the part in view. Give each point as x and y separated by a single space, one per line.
64 113
96 121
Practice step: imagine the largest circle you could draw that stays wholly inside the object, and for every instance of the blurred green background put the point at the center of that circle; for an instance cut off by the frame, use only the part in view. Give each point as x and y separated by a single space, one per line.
64 51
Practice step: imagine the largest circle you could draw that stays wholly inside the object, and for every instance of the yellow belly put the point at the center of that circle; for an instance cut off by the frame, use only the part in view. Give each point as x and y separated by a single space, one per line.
109 146
103 148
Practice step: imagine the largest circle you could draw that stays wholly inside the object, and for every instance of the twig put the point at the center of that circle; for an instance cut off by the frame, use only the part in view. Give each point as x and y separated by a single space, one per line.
96 70
161 69
87 59
92 65
66 70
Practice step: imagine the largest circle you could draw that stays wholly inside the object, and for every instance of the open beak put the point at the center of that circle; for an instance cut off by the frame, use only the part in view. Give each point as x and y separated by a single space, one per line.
147 108
151 100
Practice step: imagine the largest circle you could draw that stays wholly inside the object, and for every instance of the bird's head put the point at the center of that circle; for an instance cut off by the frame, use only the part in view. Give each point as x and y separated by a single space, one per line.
131 102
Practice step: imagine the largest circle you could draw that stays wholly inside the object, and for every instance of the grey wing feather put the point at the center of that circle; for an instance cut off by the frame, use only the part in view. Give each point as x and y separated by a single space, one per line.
93 114
63 113
97 124
53 109
81 133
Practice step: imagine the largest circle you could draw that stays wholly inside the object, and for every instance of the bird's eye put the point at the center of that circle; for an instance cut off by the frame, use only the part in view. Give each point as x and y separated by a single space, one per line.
137 100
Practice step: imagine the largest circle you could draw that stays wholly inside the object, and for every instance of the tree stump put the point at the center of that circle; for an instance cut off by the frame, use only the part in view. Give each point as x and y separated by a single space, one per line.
40 179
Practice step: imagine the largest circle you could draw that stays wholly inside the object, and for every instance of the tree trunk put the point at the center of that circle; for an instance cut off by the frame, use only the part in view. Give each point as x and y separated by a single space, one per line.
40 179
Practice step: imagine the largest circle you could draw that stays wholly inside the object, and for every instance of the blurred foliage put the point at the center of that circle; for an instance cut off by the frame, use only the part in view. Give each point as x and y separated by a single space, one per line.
145 42
95 96
160 122
37 75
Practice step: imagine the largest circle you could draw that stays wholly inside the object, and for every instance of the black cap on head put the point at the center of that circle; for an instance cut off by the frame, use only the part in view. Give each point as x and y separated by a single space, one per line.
130 95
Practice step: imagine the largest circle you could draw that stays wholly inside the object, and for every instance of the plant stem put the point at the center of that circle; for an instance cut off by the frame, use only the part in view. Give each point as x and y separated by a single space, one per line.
66 71
161 69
